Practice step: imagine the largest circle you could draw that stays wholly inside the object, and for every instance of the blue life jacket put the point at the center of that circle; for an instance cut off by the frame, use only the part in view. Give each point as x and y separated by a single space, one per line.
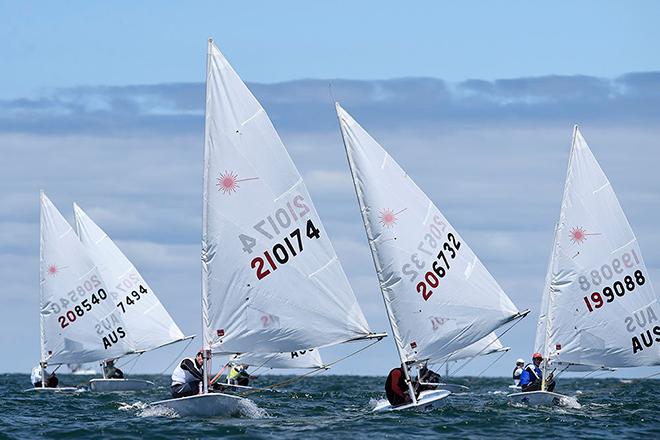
530 374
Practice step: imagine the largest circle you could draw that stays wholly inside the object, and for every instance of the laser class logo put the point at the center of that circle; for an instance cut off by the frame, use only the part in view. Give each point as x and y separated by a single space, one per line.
388 218
54 269
228 182
578 235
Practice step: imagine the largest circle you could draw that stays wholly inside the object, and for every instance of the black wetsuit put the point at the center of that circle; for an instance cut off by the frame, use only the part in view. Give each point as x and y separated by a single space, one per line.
395 387
51 381
112 372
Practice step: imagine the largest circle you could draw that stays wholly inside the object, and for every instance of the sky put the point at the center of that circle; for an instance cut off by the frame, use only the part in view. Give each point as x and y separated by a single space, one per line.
102 104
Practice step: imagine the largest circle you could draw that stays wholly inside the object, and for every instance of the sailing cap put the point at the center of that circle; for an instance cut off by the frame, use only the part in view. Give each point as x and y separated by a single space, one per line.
537 355
520 361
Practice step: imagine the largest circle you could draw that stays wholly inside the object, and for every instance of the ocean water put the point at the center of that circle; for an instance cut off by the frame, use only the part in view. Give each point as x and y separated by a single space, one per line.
336 407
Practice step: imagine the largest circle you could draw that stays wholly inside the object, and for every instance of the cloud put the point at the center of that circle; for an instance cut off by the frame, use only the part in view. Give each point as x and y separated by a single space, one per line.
306 105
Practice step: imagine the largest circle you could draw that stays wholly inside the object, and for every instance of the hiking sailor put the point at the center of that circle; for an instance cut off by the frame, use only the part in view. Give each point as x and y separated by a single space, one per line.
187 376
51 379
517 371
110 371
396 388
532 377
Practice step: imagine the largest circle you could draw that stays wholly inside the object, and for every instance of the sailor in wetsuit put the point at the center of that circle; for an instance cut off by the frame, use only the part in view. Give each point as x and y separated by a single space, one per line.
51 379
110 371
187 376
532 377
517 371
396 388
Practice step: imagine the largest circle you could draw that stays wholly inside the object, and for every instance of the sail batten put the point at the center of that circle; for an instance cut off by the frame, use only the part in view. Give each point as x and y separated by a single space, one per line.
599 309
271 279
438 296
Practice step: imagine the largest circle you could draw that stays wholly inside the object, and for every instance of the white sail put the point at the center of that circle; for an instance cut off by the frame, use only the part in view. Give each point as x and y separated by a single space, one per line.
601 309
271 279
79 318
483 347
296 359
438 295
151 326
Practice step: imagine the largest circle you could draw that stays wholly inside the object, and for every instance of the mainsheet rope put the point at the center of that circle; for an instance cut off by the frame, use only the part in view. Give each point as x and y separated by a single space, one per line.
313 372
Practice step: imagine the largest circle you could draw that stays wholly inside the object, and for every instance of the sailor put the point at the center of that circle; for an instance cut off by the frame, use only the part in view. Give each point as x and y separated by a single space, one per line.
187 376
238 375
531 377
428 375
51 379
110 371
517 371
396 388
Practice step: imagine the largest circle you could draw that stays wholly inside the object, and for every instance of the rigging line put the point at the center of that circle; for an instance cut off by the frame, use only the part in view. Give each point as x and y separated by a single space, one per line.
653 375
491 364
503 333
134 362
313 372
176 358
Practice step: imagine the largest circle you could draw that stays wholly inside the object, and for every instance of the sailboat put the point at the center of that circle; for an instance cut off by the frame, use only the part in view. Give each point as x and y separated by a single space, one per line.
438 296
79 319
599 309
151 326
271 281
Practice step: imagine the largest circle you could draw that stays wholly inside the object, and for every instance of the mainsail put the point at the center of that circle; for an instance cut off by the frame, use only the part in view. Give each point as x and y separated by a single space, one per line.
296 359
599 308
271 280
151 326
483 347
438 296
79 318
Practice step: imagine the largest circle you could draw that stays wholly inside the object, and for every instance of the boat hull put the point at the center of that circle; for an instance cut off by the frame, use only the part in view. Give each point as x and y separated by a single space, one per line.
453 387
204 405
52 390
426 401
545 398
115 385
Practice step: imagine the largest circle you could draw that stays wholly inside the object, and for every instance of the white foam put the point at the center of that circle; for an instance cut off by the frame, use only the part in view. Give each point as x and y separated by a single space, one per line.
570 402
250 410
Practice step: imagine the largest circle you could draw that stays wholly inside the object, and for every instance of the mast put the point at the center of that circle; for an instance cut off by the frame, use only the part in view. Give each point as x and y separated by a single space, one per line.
42 348
205 288
367 228
552 264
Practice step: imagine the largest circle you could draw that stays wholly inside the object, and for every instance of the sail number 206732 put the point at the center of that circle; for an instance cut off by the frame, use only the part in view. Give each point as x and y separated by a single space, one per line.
440 267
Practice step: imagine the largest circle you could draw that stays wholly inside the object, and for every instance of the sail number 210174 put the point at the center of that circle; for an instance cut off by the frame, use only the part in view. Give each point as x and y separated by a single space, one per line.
282 252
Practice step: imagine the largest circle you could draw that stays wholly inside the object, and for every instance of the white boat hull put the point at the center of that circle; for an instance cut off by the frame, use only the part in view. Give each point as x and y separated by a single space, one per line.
204 405
537 398
453 387
426 401
53 390
110 385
